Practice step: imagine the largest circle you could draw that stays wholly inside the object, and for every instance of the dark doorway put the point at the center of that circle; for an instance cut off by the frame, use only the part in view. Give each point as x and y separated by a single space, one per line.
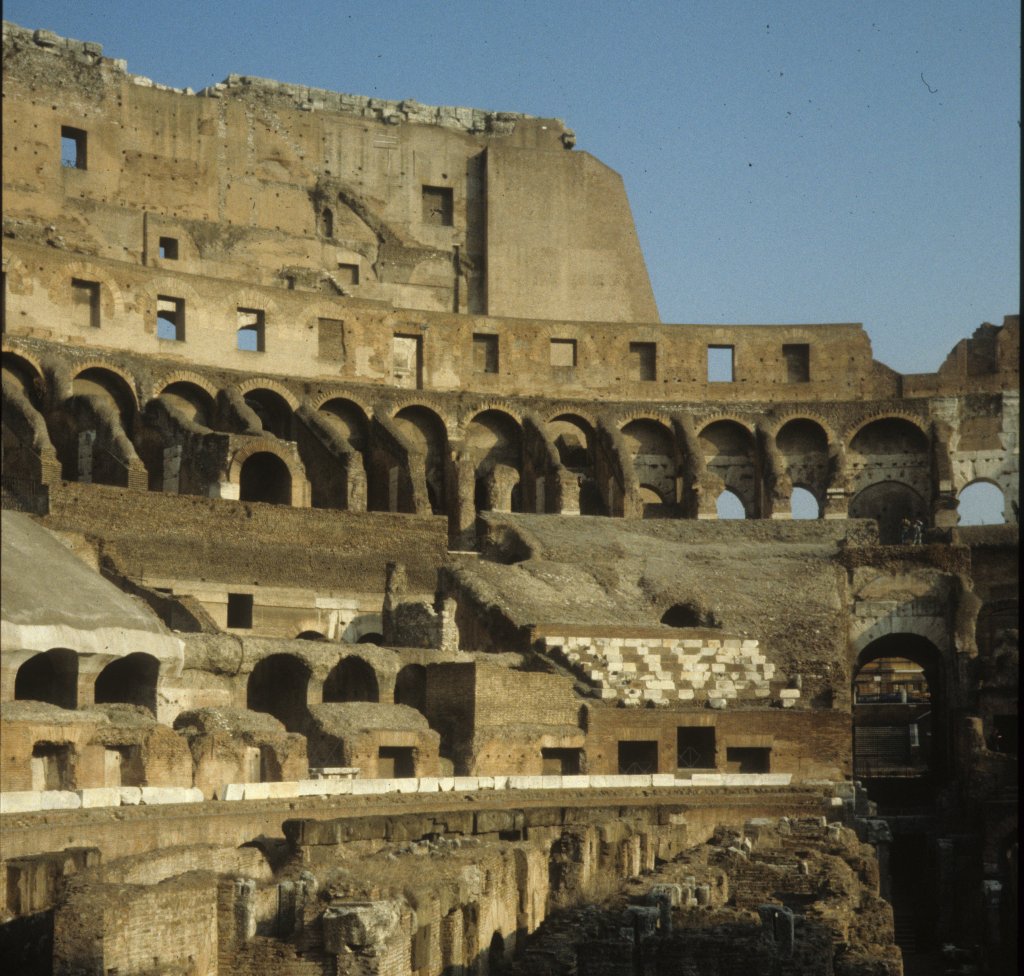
695 747
51 677
279 684
395 762
351 680
748 760
560 762
265 478
638 758
131 679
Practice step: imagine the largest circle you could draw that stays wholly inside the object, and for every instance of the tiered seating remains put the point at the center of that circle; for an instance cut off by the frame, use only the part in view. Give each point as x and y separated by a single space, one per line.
639 670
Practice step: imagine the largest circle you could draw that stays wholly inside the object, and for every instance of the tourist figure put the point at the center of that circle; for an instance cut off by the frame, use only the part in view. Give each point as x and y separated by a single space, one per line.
905 531
918 532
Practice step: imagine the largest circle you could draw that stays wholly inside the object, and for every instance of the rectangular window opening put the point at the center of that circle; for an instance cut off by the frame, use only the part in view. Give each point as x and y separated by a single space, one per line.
170 318
348 274
407 361
169 248
395 762
561 762
51 766
485 353
563 352
695 747
85 303
643 361
438 206
330 340
240 611
251 330
721 361
798 362
748 760
638 758
72 147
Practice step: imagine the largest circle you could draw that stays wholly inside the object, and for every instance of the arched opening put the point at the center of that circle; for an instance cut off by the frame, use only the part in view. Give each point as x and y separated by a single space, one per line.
495 952
652 448
191 401
25 376
425 433
105 385
371 638
888 503
728 449
803 445
338 482
265 478
899 742
130 679
347 420
981 503
411 687
273 411
49 677
729 506
682 615
351 680
494 441
571 436
803 504
311 635
279 684
654 505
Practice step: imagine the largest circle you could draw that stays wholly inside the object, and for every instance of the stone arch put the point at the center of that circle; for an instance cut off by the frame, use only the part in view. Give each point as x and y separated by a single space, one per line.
494 442
730 456
279 684
729 505
857 428
131 679
352 679
804 503
297 475
195 401
311 635
26 372
49 677
348 418
111 383
803 446
885 731
426 432
337 393
572 436
275 412
653 450
411 687
986 503
265 477
265 383
185 376
888 503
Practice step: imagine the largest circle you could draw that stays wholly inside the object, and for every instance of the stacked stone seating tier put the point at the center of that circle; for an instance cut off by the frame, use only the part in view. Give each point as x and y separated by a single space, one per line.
642 670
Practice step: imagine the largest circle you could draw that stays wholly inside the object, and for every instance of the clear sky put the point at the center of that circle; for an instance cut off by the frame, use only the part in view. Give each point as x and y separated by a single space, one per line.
799 161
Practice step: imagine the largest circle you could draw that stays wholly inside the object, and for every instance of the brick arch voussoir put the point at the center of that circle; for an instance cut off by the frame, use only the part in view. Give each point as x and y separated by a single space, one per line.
183 376
447 423
105 364
552 414
776 426
931 628
702 425
338 393
111 297
262 383
663 419
265 446
29 358
853 429
245 298
484 406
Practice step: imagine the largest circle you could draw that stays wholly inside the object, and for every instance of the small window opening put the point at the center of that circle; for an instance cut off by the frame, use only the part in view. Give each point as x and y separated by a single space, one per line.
169 248
638 758
331 340
395 762
327 222
721 362
561 762
72 147
643 359
695 747
51 766
798 362
438 208
85 302
170 318
251 330
485 353
563 352
748 760
348 274
240 611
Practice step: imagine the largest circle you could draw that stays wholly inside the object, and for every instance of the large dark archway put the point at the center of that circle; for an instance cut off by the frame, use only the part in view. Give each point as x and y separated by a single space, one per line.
265 478
351 680
899 720
279 684
888 503
50 677
411 687
130 679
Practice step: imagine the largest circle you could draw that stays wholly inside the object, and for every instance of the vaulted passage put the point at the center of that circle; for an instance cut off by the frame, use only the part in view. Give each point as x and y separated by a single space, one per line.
51 677
351 680
265 478
279 684
131 679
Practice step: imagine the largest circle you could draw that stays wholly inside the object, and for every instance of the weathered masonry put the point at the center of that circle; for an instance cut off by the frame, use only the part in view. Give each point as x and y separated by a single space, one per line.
387 590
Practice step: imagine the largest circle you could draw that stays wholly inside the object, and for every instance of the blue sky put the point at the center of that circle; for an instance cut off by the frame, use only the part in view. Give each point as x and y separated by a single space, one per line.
803 161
